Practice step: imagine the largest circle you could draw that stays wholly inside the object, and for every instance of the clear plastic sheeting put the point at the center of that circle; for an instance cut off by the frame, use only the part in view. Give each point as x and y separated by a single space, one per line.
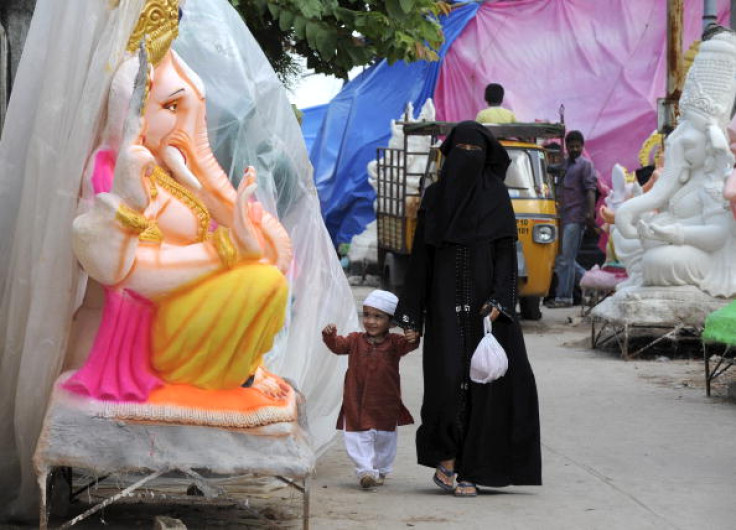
54 122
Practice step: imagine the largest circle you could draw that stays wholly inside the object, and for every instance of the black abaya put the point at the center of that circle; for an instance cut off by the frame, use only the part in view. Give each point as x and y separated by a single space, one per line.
463 257
492 430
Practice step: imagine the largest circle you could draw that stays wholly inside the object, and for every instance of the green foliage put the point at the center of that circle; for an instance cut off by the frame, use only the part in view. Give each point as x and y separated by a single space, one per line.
337 35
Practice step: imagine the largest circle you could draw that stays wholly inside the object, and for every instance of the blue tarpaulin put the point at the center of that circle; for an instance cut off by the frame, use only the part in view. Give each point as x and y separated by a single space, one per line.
311 122
357 121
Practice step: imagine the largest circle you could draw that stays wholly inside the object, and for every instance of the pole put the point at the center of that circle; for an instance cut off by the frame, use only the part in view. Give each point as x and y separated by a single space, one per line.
710 13
674 69
4 84
674 46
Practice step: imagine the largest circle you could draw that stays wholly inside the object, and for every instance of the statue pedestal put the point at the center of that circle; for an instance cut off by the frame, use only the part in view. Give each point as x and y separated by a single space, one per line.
664 312
74 435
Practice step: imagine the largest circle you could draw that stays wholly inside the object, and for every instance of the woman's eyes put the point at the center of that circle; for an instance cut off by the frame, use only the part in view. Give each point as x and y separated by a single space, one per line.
469 147
171 106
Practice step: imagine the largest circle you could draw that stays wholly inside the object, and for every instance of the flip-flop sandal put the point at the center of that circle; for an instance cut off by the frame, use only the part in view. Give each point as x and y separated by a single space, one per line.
445 473
466 486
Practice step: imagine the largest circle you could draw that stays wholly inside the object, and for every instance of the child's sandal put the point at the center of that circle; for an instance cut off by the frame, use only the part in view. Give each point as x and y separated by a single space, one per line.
444 478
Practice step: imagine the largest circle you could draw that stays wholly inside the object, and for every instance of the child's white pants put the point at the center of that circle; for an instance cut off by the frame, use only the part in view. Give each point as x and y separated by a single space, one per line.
372 451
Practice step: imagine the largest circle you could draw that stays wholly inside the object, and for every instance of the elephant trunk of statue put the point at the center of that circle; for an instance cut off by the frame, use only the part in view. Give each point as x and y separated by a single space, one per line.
194 164
213 178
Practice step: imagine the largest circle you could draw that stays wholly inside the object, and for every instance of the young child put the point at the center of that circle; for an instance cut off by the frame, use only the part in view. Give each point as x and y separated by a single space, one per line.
371 403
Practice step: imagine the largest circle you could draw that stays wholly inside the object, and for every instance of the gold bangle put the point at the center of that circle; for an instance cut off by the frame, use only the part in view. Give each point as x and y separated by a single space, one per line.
152 233
130 219
224 246
137 223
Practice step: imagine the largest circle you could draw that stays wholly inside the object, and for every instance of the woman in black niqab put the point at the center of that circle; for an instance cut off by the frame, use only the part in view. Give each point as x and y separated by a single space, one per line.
463 266
474 203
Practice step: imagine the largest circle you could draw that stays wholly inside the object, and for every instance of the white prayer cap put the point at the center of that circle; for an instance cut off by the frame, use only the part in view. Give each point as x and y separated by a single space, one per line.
382 300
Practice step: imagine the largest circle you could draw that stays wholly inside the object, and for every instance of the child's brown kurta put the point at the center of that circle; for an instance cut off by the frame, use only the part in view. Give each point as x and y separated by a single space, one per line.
372 394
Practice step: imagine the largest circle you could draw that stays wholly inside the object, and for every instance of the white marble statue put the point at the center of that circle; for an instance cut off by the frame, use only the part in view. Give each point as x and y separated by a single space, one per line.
682 231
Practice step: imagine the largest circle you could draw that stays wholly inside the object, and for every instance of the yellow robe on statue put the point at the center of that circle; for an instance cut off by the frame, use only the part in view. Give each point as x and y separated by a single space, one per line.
213 334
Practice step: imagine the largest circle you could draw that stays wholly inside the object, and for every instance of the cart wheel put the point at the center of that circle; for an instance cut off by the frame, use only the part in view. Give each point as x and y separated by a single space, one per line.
393 271
529 308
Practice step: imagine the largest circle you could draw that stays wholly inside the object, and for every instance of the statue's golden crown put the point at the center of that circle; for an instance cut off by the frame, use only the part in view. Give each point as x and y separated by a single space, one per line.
158 26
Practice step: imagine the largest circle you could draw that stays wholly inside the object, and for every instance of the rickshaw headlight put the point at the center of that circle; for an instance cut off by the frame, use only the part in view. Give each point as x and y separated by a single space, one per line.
544 233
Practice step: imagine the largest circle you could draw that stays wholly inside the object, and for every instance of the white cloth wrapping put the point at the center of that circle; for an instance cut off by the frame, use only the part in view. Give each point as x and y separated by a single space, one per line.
489 361
54 122
382 300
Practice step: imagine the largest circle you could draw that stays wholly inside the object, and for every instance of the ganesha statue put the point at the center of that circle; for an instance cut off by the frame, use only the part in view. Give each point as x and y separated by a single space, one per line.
193 269
681 232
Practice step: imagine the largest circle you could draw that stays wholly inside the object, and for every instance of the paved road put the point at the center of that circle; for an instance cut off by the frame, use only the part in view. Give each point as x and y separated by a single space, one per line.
626 445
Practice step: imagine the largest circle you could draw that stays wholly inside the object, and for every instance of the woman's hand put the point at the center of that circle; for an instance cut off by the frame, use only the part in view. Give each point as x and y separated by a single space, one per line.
329 329
411 335
488 309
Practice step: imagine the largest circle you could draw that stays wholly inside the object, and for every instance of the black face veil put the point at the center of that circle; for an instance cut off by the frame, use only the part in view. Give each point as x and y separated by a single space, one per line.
470 203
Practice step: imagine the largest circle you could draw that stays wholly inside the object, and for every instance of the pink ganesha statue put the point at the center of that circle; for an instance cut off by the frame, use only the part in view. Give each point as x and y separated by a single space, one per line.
193 269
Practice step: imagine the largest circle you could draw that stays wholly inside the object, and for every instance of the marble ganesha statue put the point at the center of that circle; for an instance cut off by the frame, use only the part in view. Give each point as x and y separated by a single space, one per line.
193 269
681 232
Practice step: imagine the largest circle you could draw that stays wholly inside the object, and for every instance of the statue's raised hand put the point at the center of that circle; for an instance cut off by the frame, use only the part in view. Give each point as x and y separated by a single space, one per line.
135 162
247 218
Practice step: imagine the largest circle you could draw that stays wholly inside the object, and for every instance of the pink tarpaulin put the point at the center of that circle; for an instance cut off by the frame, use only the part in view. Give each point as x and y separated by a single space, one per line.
604 60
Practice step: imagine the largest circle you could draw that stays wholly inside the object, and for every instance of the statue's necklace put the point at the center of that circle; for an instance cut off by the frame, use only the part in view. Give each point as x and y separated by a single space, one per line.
160 177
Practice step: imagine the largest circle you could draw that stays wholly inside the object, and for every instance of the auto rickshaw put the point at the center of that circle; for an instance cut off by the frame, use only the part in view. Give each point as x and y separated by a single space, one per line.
531 187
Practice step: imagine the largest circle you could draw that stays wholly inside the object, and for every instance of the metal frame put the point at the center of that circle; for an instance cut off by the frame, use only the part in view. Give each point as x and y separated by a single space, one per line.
390 198
516 130
591 298
214 495
622 334
726 361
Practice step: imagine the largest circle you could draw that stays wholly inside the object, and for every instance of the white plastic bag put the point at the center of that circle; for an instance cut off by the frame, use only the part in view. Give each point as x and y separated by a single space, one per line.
489 361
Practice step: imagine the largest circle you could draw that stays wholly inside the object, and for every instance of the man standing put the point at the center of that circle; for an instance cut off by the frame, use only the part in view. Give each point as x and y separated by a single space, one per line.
495 113
577 198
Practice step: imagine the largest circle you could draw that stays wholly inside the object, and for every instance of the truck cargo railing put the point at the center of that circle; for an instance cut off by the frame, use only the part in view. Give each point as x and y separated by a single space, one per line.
395 228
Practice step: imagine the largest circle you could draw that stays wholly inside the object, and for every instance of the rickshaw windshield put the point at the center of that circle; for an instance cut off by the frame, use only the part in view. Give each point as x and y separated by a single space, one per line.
527 176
